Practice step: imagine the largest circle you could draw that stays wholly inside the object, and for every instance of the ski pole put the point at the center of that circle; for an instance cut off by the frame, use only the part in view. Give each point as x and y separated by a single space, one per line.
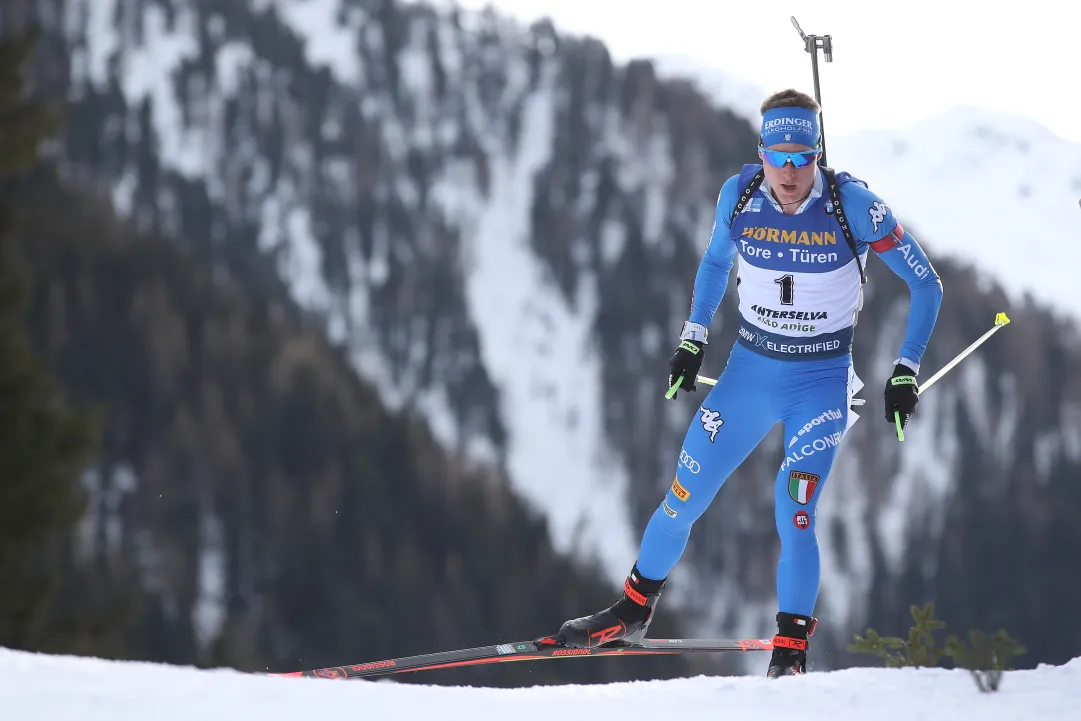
1000 320
811 43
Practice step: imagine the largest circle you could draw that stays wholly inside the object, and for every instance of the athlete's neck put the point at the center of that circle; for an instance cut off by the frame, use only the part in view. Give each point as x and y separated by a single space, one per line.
791 208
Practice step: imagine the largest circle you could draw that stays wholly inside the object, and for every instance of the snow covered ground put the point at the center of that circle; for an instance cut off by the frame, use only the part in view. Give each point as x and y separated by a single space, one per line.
56 688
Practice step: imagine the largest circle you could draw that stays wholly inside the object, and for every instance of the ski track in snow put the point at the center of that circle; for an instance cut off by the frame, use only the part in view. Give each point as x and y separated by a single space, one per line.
58 688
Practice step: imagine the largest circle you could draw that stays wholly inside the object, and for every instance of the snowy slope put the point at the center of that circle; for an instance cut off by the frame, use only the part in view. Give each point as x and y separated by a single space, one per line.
999 191
52 688
534 345
537 347
726 89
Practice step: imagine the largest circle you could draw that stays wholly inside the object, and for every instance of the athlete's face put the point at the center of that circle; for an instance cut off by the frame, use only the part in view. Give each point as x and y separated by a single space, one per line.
790 184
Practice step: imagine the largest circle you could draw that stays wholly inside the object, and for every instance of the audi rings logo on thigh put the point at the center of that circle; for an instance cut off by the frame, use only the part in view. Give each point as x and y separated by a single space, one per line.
688 462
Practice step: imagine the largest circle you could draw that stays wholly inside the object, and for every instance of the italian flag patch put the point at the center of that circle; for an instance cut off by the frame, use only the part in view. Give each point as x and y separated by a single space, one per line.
801 486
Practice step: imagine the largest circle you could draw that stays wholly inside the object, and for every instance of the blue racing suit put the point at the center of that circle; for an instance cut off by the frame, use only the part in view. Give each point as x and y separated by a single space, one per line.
800 291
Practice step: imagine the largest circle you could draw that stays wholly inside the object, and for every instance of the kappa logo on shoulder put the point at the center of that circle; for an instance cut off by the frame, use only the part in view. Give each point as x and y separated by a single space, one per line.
877 211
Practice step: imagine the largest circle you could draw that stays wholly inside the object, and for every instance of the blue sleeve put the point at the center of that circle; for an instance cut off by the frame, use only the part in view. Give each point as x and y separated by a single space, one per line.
716 264
873 223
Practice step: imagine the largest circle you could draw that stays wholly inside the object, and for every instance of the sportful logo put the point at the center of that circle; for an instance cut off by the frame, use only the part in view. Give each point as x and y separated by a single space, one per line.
878 213
711 422
830 415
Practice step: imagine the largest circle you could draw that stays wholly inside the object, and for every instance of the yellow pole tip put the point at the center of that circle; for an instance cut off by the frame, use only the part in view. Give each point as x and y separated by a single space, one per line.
1001 319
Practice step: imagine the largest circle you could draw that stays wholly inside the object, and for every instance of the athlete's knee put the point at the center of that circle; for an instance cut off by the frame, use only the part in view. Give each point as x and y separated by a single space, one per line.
798 487
795 521
796 499
797 530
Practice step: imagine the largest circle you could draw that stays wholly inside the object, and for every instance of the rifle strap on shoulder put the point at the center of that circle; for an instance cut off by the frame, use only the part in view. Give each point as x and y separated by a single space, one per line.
835 198
747 193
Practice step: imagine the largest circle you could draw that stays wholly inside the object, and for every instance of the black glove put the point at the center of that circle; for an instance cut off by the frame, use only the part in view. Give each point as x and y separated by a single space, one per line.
686 362
901 394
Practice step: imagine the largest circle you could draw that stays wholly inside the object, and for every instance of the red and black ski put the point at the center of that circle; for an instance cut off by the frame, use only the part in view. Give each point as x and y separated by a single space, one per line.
543 648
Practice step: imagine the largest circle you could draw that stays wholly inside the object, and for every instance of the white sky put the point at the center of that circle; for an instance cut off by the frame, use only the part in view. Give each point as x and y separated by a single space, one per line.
894 62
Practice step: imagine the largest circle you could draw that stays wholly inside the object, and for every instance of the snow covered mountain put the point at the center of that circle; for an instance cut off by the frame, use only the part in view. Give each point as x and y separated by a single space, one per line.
1001 192
502 227
57 688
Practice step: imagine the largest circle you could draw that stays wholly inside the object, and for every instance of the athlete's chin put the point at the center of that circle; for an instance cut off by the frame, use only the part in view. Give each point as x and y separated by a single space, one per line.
788 192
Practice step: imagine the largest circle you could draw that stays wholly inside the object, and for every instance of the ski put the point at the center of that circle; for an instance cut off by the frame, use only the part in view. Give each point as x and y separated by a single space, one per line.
536 650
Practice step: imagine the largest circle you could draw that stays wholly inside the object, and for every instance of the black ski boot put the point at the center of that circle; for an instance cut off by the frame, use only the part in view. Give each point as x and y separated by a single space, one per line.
790 645
626 621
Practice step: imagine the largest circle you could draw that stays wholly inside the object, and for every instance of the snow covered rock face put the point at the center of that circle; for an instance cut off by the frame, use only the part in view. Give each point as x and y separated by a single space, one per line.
502 229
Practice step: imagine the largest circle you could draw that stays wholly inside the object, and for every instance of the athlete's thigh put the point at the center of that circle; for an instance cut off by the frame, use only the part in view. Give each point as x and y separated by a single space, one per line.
729 423
814 426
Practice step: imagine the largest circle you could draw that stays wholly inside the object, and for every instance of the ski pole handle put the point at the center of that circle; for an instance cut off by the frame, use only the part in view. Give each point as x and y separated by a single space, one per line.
672 391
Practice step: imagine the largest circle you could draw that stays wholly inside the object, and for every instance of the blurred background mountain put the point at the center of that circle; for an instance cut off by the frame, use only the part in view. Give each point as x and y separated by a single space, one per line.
337 330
